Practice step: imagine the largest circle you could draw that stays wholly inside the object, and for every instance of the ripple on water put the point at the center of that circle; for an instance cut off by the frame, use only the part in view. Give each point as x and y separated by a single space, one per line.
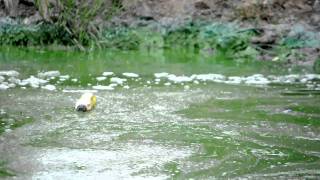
138 133
125 163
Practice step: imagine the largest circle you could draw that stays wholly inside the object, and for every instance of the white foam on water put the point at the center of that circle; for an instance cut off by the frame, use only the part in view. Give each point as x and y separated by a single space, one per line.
14 80
161 75
308 138
49 87
113 85
186 87
159 108
33 82
118 80
12 85
312 76
74 80
234 80
48 74
209 77
101 78
10 73
107 73
79 91
130 75
1 79
179 79
3 87
64 77
100 87
166 78
256 79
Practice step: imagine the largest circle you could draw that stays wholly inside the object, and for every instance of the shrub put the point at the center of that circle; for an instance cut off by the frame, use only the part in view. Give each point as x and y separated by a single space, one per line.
299 37
35 35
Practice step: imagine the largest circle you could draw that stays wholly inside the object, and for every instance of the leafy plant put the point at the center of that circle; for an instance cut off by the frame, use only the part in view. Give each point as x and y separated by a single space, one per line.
225 38
125 38
42 34
121 38
299 37
78 17
186 36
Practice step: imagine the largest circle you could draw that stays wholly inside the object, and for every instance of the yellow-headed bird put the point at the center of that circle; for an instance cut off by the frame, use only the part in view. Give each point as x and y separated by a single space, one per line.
86 102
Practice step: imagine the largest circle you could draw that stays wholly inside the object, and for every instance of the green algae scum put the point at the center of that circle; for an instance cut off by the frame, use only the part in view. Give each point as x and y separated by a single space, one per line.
159 115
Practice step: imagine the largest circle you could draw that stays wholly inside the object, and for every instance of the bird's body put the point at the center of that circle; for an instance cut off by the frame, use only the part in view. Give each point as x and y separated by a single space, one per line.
86 102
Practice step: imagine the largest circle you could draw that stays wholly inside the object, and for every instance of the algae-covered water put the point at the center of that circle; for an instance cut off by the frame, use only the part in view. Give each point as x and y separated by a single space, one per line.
171 115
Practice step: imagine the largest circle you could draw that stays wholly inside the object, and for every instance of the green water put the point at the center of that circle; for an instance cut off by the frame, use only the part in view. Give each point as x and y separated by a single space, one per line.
207 131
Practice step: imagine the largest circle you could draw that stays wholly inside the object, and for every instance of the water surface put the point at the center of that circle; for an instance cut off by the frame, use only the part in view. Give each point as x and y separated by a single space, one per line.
191 130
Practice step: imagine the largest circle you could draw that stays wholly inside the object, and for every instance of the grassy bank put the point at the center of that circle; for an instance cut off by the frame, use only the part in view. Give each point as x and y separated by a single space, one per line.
221 37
